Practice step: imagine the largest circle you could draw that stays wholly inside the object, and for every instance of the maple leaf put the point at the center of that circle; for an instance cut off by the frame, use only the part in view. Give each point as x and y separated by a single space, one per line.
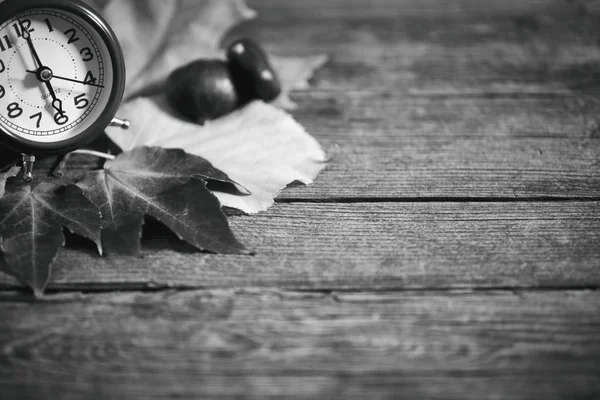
259 146
31 227
167 185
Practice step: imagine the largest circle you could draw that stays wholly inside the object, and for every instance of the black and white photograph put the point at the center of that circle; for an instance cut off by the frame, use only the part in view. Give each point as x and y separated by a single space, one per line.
300 199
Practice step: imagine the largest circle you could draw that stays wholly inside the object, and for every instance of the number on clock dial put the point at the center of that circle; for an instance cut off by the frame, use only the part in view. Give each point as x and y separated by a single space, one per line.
14 110
70 52
87 54
61 118
49 25
5 43
25 24
81 102
38 118
72 34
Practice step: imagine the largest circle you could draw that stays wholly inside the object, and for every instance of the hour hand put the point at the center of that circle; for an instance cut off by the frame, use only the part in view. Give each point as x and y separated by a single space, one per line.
57 104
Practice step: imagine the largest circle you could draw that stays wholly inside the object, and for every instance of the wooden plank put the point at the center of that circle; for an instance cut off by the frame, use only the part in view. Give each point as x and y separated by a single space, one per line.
391 118
390 168
459 168
265 344
375 130
398 9
440 46
365 247
372 95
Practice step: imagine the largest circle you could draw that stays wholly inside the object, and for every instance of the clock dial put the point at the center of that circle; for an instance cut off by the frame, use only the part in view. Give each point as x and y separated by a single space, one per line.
55 75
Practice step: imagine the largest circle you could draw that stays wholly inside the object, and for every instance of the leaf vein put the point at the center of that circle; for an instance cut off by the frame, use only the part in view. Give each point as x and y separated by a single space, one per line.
149 201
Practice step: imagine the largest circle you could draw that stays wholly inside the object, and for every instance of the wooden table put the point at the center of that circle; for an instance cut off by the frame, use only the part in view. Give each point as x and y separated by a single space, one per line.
451 250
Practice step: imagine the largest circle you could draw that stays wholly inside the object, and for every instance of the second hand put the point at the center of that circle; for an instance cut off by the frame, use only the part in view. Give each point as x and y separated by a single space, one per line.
69 79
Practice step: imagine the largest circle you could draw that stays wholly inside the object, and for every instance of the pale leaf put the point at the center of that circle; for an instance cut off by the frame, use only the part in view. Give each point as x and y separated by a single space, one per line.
159 36
259 146
294 73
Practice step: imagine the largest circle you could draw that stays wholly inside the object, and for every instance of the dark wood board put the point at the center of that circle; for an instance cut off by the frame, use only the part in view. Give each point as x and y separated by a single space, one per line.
272 344
545 47
366 246
429 10
373 118
460 168
457 169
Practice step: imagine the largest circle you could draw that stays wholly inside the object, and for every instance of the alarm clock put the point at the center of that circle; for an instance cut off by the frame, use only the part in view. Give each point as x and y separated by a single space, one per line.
62 77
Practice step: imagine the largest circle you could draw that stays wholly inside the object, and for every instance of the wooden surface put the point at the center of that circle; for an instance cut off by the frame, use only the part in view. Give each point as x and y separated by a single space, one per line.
451 250
272 344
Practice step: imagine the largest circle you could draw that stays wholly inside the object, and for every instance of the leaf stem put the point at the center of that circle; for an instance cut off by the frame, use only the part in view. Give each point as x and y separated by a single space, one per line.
95 153
61 166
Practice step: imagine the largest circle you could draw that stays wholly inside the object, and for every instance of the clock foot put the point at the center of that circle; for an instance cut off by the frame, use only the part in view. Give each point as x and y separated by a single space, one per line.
28 163
120 123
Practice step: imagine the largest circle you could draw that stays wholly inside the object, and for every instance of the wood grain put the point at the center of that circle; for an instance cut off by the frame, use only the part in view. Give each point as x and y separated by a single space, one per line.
442 47
454 100
273 344
387 118
459 168
382 163
397 9
366 247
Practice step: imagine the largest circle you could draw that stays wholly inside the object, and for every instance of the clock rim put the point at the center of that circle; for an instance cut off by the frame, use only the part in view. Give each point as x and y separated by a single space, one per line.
12 7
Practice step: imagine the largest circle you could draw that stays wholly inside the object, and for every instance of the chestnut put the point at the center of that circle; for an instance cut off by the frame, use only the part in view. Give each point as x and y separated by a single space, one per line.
252 72
202 90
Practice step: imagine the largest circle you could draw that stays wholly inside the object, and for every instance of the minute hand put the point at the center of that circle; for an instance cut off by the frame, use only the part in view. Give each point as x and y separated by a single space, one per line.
27 37
70 80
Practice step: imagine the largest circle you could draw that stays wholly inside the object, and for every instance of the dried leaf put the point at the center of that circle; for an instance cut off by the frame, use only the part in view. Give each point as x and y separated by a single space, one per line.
164 184
31 223
159 36
294 73
259 146
5 175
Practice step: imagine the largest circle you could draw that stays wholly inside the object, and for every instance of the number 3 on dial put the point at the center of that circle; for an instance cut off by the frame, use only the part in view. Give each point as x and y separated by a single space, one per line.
62 75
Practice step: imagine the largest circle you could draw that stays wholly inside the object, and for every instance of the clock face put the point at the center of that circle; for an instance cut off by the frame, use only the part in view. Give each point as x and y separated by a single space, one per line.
56 75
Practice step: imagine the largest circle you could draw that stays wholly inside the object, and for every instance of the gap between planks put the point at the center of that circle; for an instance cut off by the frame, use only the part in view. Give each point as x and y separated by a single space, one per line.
20 294
359 200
